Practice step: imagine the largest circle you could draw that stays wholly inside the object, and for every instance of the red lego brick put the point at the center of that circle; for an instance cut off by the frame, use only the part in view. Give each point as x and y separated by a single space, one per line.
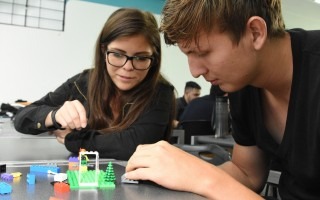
61 187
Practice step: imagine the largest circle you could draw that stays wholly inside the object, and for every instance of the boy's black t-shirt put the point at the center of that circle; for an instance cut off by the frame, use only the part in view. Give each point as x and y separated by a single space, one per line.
298 153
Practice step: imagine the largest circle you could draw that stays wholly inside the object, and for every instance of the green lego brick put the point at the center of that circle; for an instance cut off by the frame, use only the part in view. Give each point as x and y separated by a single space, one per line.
73 179
106 185
89 177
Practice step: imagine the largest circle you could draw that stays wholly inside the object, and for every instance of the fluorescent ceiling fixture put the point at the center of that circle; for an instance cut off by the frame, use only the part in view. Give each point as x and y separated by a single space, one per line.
317 1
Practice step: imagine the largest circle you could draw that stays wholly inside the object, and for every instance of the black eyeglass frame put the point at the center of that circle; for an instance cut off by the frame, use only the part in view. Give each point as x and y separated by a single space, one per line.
129 58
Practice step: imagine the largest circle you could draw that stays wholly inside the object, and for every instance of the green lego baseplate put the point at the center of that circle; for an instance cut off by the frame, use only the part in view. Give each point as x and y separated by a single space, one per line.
89 176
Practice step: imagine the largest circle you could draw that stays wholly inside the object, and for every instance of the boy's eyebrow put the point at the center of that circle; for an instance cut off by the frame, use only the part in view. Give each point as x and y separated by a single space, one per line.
189 49
186 50
193 50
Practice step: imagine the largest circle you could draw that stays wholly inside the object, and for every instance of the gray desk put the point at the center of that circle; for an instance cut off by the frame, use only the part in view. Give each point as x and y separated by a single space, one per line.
17 147
20 151
226 142
43 189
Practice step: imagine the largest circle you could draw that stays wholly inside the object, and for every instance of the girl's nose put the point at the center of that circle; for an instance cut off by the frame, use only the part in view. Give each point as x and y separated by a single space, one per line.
128 66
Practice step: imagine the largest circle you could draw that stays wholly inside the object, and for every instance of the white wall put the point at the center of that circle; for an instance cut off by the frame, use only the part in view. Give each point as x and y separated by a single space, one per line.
34 61
301 14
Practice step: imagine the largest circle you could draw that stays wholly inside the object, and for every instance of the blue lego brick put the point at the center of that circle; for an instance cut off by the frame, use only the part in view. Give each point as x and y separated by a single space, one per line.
5 188
44 168
31 179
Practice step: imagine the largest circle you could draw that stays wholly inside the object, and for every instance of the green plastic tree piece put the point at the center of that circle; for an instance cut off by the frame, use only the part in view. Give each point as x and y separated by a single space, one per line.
110 176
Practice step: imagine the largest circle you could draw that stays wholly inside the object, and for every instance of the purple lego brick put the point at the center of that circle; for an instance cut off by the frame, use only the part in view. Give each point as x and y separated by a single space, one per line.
6 177
73 159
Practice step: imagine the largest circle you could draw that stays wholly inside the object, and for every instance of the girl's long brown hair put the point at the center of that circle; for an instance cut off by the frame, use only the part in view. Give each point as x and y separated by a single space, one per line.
102 91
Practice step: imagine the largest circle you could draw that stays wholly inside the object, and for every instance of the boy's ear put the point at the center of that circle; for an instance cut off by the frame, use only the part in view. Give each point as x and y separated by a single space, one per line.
257 28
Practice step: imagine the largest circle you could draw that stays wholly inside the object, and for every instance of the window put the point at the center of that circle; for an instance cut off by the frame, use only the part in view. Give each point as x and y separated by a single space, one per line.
44 14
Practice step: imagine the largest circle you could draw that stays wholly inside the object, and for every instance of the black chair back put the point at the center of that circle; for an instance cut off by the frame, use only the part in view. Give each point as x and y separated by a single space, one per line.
198 127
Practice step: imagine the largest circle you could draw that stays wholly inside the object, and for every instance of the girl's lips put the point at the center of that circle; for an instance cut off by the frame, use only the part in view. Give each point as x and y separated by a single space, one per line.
125 77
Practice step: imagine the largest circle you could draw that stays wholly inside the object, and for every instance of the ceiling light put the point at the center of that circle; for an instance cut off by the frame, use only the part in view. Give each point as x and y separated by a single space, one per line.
317 1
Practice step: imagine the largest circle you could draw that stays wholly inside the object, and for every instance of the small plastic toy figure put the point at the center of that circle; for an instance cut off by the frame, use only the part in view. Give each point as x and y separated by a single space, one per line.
83 158
73 163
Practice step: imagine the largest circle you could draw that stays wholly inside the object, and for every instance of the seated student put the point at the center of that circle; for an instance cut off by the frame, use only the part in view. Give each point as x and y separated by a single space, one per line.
122 102
201 110
192 91
272 76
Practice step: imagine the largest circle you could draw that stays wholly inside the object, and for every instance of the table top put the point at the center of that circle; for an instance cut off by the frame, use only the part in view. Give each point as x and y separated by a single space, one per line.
19 151
43 189
16 147
226 141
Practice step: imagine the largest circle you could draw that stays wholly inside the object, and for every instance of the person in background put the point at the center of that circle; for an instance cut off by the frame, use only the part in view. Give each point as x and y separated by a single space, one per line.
123 101
202 108
198 118
272 76
192 90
